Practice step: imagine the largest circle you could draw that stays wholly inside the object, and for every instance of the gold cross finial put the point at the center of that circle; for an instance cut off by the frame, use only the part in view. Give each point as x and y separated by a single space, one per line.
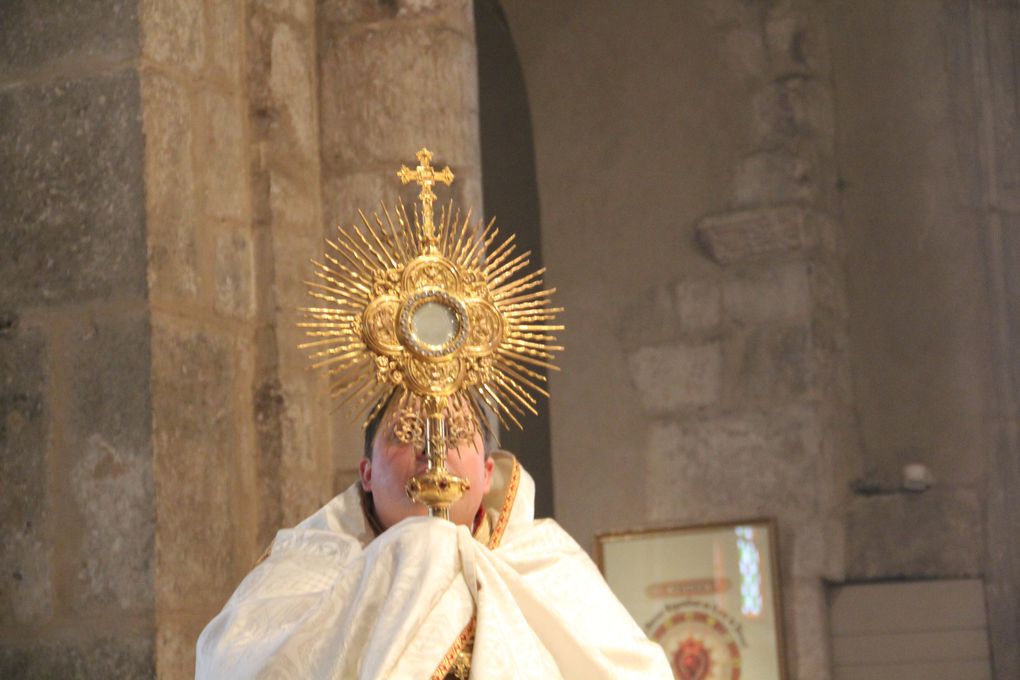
426 176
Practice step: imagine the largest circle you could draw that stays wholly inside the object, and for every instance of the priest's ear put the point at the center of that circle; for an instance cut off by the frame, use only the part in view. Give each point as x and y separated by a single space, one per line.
365 470
490 465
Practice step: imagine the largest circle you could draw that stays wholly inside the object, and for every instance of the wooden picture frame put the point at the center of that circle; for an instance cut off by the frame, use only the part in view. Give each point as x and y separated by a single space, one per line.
709 594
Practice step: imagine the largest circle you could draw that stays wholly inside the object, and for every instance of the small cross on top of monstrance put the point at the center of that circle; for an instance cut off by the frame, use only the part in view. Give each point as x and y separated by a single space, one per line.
434 315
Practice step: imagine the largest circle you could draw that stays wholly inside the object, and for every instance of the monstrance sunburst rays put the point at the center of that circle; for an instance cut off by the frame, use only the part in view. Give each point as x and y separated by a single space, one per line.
447 311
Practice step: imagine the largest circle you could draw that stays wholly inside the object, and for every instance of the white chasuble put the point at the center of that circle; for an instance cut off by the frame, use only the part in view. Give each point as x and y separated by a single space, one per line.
333 600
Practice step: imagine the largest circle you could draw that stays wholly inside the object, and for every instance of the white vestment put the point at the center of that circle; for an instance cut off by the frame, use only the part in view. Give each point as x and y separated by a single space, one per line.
332 600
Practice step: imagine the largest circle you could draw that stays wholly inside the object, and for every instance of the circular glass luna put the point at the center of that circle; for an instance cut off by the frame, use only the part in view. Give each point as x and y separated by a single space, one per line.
433 323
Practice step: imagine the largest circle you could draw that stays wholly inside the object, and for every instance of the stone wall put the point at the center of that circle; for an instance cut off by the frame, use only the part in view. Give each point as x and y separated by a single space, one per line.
76 472
928 132
783 234
685 158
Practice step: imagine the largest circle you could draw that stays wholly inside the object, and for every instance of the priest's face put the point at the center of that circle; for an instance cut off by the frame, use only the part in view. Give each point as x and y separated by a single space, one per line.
394 462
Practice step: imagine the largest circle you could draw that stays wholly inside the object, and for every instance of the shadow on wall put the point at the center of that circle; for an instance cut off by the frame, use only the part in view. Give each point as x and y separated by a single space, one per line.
510 194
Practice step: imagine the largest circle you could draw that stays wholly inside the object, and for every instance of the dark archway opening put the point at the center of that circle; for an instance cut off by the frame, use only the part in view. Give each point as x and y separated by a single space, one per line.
510 192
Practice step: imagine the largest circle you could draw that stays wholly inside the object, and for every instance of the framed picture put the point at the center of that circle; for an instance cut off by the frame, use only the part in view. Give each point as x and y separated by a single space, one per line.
708 594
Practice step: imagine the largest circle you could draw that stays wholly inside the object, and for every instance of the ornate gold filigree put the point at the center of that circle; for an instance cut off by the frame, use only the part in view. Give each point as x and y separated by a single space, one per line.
439 311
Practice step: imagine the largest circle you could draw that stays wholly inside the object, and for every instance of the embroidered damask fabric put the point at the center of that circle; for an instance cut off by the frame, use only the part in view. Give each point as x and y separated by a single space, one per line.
332 600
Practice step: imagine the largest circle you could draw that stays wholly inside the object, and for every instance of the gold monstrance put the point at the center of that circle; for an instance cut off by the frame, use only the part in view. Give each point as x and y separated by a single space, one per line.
433 314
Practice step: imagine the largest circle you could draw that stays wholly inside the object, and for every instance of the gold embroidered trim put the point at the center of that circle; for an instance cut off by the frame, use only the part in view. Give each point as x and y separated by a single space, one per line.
451 655
268 551
508 503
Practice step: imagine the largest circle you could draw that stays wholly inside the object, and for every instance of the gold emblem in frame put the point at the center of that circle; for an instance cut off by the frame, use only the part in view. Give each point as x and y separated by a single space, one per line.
435 312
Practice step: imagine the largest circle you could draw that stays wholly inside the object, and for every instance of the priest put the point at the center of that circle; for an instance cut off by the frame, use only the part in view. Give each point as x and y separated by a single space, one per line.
368 587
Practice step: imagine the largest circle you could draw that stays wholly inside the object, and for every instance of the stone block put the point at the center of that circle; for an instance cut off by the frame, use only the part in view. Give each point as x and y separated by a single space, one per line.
223 56
301 11
904 535
294 208
26 593
175 643
72 191
110 462
731 467
674 377
781 292
807 628
384 90
235 273
33 34
344 478
220 156
744 51
169 187
456 14
173 32
787 39
269 411
749 235
194 446
683 310
109 657
345 195
731 13
772 177
698 305
774 120
293 131
773 363
306 466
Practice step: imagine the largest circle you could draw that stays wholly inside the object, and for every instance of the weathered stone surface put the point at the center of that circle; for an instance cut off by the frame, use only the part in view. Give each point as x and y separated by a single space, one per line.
72 191
171 214
120 657
223 55
26 593
293 130
175 643
194 445
110 459
299 10
778 293
771 177
806 627
220 152
35 33
173 32
677 376
686 309
932 534
235 273
697 305
343 478
345 195
732 467
773 362
789 47
456 14
306 470
387 90
755 234
744 51
294 210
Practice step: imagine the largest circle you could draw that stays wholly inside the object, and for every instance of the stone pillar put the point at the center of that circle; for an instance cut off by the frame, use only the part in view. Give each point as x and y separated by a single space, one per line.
77 515
394 77
161 198
203 249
